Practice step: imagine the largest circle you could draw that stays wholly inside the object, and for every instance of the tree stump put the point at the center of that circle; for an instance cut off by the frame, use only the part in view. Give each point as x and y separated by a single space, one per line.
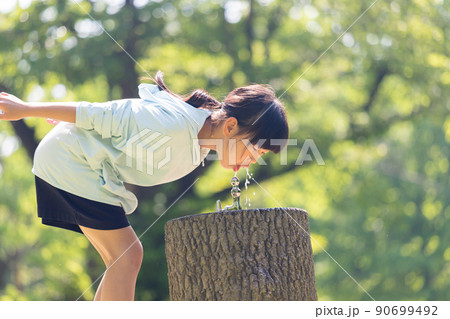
254 254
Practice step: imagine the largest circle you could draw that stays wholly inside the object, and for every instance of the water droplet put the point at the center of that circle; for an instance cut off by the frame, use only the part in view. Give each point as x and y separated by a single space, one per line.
247 181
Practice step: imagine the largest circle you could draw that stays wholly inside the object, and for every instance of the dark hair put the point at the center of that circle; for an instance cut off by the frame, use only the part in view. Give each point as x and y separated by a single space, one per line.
259 113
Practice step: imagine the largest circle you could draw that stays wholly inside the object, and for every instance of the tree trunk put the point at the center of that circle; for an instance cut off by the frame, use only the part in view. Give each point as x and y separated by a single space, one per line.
255 254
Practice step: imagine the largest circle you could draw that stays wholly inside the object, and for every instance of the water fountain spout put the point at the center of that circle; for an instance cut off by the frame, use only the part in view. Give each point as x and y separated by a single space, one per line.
235 193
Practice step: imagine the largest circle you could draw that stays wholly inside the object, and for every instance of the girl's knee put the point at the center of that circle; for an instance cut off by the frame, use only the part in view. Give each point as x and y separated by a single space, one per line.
131 258
137 253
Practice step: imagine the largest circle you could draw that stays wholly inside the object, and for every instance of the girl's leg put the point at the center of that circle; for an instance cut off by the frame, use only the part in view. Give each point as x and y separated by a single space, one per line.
105 260
122 253
98 293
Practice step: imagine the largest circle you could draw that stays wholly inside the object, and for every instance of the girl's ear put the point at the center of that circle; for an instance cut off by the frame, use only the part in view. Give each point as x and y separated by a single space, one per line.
230 126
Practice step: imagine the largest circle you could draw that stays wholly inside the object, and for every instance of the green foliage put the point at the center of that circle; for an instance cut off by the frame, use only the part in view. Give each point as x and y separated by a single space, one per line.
376 105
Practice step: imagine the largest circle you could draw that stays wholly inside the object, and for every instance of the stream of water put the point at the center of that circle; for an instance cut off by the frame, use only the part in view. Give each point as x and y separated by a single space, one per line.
247 182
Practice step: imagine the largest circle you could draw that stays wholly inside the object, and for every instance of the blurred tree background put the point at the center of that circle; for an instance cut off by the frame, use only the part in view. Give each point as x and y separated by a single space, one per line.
376 104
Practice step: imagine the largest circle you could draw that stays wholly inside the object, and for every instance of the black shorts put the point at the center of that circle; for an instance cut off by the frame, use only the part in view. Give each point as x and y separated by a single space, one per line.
61 209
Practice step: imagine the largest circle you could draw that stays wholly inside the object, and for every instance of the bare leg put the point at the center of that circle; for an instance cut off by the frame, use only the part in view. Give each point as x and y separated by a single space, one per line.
105 260
122 253
98 294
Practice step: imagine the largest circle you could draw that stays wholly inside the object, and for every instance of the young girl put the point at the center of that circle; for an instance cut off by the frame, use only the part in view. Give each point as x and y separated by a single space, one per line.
81 165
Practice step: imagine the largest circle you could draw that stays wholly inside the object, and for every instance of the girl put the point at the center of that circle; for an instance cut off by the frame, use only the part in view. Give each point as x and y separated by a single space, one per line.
81 165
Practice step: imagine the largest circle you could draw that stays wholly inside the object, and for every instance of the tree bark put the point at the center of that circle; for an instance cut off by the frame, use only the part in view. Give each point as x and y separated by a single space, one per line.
26 136
255 254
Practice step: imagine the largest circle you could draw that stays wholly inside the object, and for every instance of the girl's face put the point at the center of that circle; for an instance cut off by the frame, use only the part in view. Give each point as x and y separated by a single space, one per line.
237 151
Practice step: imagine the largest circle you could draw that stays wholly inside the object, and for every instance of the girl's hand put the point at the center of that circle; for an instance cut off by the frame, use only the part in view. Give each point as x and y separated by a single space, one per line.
53 122
12 108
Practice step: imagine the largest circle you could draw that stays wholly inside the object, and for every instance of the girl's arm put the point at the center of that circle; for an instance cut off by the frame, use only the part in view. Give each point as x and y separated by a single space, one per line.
13 109
61 111
109 119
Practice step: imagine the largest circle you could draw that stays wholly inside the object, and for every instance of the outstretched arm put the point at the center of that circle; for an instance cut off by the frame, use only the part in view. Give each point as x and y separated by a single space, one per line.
13 109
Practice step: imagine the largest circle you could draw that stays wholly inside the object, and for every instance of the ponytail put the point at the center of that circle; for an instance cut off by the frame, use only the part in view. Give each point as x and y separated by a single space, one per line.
198 99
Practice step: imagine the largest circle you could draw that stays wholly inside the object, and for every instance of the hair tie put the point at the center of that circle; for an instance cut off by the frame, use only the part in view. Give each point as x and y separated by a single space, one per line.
219 107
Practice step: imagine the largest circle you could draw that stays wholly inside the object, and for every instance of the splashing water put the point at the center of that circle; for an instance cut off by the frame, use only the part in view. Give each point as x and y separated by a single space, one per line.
247 182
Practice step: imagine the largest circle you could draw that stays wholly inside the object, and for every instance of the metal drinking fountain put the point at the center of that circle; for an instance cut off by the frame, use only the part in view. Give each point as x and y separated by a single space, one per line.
235 193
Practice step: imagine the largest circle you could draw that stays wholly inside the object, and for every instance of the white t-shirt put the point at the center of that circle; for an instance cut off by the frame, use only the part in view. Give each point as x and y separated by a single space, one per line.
147 141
